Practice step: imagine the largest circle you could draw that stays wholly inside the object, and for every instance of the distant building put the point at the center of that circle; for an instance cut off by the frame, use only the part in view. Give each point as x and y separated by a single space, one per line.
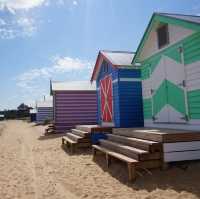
2 117
44 111
74 103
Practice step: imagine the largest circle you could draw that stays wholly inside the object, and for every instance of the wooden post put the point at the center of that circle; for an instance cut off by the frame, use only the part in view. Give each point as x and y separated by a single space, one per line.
108 160
131 172
72 148
94 153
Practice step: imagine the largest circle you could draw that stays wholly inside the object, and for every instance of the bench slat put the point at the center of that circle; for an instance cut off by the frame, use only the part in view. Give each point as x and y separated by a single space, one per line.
114 154
68 140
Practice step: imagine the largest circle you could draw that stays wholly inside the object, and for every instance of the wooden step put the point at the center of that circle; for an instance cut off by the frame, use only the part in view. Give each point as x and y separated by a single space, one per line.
86 128
76 138
129 151
141 133
68 143
146 145
94 128
80 133
66 139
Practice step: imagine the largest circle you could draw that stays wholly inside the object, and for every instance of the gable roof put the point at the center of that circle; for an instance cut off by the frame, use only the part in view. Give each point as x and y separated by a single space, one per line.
115 58
186 21
72 86
189 18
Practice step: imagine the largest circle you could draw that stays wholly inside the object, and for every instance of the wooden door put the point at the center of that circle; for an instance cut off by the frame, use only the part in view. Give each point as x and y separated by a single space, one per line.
106 99
168 87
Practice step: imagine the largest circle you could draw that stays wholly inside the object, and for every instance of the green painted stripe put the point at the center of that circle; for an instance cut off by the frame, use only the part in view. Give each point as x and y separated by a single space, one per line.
176 97
147 108
179 22
191 47
169 93
160 98
174 101
194 104
171 52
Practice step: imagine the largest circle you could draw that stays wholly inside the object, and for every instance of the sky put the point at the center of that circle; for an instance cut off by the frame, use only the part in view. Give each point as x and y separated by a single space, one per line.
60 39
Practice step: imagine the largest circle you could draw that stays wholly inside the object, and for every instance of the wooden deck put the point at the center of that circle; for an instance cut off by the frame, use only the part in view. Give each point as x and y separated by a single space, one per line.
159 135
94 128
177 145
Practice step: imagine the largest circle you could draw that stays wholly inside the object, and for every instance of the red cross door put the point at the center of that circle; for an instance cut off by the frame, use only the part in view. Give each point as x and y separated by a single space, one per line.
106 99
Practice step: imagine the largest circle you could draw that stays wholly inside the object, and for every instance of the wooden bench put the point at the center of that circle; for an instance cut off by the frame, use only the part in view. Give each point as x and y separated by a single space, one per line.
131 163
69 143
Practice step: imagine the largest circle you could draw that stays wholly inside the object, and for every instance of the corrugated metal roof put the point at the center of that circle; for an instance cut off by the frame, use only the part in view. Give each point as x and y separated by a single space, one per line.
190 18
120 58
73 86
47 103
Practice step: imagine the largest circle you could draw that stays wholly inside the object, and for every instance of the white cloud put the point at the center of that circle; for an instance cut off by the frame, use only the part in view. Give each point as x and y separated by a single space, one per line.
34 83
60 65
27 24
75 3
13 5
17 26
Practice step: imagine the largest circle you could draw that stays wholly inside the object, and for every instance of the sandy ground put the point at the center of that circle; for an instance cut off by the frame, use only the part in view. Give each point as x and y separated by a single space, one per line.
35 167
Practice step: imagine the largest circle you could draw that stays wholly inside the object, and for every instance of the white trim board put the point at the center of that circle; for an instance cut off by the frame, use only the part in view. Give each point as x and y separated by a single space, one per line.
126 80
181 156
181 146
109 124
115 81
187 126
129 79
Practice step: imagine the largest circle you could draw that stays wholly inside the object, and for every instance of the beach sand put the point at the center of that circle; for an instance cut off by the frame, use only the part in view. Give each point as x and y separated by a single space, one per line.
36 167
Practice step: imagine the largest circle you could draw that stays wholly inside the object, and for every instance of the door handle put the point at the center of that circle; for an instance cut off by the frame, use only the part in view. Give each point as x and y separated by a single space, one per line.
152 91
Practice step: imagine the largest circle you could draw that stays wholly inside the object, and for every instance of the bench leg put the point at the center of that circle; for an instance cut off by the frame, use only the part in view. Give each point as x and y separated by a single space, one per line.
131 172
108 160
94 152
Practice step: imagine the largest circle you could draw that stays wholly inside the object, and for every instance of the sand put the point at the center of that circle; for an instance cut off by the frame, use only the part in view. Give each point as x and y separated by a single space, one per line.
36 167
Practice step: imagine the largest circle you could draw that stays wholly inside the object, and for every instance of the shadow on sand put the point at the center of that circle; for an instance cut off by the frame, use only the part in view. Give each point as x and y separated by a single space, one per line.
181 177
51 136
77 151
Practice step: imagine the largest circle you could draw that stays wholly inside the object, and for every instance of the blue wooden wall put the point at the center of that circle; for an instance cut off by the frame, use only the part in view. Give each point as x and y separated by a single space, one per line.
127 97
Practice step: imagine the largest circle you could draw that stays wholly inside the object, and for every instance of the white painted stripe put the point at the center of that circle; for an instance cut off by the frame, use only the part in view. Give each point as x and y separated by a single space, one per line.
181 146
180 156
129 79
126 80
188 126
194 122
115 81
110 124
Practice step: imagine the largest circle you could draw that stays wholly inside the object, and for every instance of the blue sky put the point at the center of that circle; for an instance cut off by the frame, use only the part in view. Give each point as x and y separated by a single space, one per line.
60 39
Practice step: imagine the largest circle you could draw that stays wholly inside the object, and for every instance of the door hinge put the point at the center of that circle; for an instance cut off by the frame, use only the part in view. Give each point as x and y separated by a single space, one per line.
183 83
152 91
186 118
154 118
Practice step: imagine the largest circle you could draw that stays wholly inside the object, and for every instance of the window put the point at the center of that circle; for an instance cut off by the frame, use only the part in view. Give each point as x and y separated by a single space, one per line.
163 36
